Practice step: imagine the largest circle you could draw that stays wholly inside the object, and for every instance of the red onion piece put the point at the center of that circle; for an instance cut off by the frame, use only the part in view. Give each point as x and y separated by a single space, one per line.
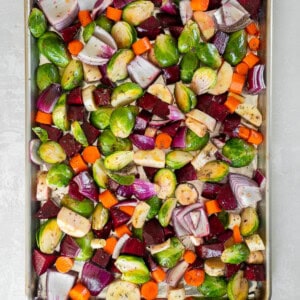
131 202
175 113
144 189
100 6
185 11
256 83
33 148
48 98
105 37
142 142
176 273
169 7
87 186
179 138
69 247
260 178
158 123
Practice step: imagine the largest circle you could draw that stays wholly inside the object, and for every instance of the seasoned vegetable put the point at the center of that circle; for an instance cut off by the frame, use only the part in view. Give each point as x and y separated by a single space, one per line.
177 159
238 287
150 158
166 180
138 11
122 122
213 287
47 74
51 152
84 207
213 171
166 51
124 34
59 114
100 118
214 266
155 204
122 289
100 173
100 217
59 175
203 79
186 194
189 38
249 221
37 23
86 251
194 142
125 93
88 31
79 134
209 55
104 23
72 75
188 65
185 97
235 254
166 210
140 214
118 160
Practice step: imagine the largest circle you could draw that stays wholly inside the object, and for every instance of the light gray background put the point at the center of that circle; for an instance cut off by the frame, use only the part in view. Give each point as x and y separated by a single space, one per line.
285 210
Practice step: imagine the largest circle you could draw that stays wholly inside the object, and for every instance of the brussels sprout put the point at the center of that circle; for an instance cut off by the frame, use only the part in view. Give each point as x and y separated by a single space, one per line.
104 23
122 179
78 134
109 143
51 152
122 122
194 142
59 114
166 210
185 98
188 65
117 66
59 175
133 269
88 31
168 258
249 221
100 118
189 37
165 50
236 47
49 236
239 152
126 93
213 286
46 75
99 173
166 180
134 109
37 23
53 47
124 34
223 216
177 159
83 207
138 11
72 75
203 79
41 133
155 204
118 160
213 171
238 287
209 55
86 251
100 217
235 254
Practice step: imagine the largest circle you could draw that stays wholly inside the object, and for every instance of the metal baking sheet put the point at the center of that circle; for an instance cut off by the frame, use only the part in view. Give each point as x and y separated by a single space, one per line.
33 286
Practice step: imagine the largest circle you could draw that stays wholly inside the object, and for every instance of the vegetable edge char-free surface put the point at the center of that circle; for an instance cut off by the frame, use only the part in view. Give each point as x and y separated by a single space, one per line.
147 175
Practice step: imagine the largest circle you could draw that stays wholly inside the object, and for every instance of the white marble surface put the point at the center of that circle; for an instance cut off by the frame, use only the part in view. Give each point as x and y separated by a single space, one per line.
285 151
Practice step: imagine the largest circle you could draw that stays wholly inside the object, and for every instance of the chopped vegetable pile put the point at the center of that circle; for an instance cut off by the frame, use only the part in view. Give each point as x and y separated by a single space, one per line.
146 136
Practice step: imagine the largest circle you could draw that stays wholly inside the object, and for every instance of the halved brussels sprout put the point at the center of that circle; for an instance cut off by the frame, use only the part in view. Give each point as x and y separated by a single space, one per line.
78 134
46 75
100 118
203 79
88 31
249 221
59 114
37 23
236 47
122 179
100 217
235 254
177 159
194 142
238 287
122 122
188 65
51 152
117 66
41 133
189 37
86 251
100 174
104 23
165 50
126 93
138 11
118 160
239 152
72 75
185 98
213 171
83 207
166 180
166 210
155 204
59 175
213 286
209 55
124 34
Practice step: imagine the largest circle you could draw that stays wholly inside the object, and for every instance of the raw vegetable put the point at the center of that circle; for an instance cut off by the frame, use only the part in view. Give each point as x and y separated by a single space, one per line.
188 65
209 55
213 286
124 34
194 277
155 204
177 159
165 50
79 291
100 217
166 210
47 74
72 75
189 38
51 152
84 207
125 93
236 47
122 122
203 79
149 290
120 289
37 23
213 171
186 194
185 97
138 11
166 180
249 221
238 287
235 254
118 160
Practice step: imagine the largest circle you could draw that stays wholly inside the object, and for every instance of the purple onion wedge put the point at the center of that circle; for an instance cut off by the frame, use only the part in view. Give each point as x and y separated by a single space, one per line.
100 6
255 81
179 138
87 186
142 142
48 98
176 273
169 7
185 10
144 189
69 247
220 40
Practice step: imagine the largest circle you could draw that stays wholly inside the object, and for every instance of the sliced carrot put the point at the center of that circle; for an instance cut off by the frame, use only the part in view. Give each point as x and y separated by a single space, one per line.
64 264
158 274
149 290
141 46
232 103
79 292
251 59
90 154
163 141
194 277
78 164
113 13
43 118
110 245
255 137
237 83
237 237
242 68
84 17
212 207
121 230
189 256
244 132
252 29
75 47
129 210
254 43
108 199
201 5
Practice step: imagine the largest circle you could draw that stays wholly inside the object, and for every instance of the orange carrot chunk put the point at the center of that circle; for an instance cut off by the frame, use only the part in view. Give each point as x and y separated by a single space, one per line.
251 60
244 132
43 118
252 29
237 237
163 141
237 83
194 277
255 137
78 164
129 210
212 207
113 14
121 230
242 68
232 103
90 154
79 292
75 47
201 5
158 274
141 46
189 256
108 199
110 245
254 43
84 17
64 264
149 290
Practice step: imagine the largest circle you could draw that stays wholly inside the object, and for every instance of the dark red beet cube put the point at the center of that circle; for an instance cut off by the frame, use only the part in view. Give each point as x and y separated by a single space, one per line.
175 31
102 96
169 231
255 272
216 226
74 191
150 172
76 113
68 34
171 128
119 217
134 246
198 263
224 236
161 109
101 258
218 111
75 97
210 250
251 6
150 28
90 132
141 121
157 3
105 231
231 269
54 134
111 267
41 261
226 198
69 247
147 101
48 210
167 20
211 190
153 233
171 74
230 124
186 173
70 145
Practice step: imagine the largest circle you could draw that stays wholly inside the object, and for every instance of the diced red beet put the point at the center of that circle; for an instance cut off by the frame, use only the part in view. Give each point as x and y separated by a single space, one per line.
76 113
153 233
147 101
121 3
141 121
134 246
186 173
112 185
101 258
150 28
105 80
161 109
169 231
167 20
102 96
48 210
217 111
220 40
119 217
150 262
69 248
171 74
231 122
68 34
226 198
75 97
157 3
41 261
150 172
54 134
210 250
204 101
211 190
213 4
251 6
74 191
231 269
171 128
224 236
90 132
255 272
105 231
175 31
69 144
215 225
198 264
